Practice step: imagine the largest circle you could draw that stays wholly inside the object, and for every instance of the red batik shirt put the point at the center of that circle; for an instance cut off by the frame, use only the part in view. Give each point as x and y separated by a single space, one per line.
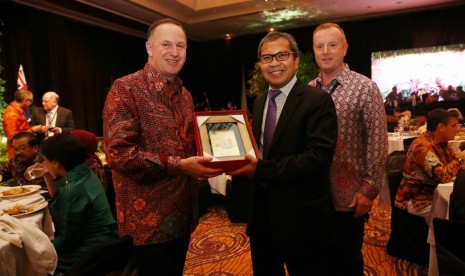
148 129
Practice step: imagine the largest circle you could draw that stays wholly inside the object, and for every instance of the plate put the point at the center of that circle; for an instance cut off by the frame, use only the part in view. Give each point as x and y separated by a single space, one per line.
38 207
33 189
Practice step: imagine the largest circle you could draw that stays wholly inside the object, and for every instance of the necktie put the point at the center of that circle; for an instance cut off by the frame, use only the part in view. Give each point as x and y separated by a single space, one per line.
270 121
49 118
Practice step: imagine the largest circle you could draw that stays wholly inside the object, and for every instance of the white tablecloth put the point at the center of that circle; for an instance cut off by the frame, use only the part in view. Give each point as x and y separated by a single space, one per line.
397 143
15 260
439 209
218 184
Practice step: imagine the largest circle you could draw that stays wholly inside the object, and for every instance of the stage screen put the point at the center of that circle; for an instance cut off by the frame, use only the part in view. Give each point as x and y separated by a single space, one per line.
422 70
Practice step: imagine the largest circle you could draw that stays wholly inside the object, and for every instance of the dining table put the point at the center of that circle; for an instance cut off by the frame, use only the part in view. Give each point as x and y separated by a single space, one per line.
25 239
439 209
396 142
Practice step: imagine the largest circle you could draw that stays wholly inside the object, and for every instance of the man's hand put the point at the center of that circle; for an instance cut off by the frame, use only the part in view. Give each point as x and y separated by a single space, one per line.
362 204
194 166
249 169
37 128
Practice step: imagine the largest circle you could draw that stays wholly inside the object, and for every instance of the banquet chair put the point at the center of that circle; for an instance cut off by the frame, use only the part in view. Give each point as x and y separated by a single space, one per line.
449 236
407 142
110 258
408 239
394 167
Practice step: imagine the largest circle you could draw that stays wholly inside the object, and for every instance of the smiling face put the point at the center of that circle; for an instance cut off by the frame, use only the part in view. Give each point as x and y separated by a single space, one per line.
330 49
278 73
167 49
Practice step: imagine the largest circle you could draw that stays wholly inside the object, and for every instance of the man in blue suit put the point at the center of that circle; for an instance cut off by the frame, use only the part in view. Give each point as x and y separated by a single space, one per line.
292 218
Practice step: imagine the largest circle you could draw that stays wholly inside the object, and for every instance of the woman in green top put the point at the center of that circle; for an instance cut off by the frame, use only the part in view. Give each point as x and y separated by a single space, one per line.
79 208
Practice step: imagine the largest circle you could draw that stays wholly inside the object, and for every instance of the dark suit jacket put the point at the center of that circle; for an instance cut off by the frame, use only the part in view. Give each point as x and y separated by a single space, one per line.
292 185
64 118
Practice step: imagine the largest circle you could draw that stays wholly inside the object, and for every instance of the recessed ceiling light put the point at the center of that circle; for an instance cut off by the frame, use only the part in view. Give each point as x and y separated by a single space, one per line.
227 36
271 30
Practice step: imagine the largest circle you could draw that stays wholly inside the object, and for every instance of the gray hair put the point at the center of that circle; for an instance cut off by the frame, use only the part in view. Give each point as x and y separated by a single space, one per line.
52 95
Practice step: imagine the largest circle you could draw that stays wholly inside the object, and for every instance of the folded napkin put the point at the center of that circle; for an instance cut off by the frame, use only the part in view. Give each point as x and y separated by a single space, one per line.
40 252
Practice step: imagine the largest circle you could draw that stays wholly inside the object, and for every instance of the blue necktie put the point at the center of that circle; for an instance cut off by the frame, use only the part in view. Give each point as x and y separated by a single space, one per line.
270 121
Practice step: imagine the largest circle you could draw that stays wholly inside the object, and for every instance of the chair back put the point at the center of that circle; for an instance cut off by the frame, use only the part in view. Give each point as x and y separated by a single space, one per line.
394 168
113 257
449 236
457 198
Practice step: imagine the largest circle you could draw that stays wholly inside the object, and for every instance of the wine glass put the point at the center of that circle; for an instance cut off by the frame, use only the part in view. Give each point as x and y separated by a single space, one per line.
34 171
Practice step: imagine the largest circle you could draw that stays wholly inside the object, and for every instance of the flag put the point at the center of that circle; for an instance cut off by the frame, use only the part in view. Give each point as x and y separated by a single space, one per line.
21 82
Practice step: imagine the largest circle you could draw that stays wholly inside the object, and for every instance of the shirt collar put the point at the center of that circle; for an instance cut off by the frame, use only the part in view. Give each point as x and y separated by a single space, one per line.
157 81
54 110
286 89
339 77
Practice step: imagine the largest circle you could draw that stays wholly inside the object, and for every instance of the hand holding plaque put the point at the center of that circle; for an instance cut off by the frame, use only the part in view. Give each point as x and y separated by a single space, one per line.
226 136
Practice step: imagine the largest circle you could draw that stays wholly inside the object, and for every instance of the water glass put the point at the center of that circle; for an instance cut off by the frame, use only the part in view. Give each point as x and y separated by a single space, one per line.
35 171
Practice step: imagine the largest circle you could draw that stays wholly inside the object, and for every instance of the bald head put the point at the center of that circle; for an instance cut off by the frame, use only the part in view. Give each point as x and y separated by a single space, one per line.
50 100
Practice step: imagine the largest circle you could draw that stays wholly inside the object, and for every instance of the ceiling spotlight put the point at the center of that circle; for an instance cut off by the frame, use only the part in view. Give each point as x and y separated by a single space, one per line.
227 36
271 30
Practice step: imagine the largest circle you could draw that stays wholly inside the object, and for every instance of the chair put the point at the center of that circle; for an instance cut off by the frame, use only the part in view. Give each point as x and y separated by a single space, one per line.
394 167
408 239
111 258
407 142
449 236
409 233
457 198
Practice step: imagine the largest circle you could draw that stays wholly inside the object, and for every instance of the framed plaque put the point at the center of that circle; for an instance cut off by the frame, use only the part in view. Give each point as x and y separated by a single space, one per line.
226 136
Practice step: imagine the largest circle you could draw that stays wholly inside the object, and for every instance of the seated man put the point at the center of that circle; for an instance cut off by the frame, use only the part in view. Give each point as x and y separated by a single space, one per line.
430 161
26 147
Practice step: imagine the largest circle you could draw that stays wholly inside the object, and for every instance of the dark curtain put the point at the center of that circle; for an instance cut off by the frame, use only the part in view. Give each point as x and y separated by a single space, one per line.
80 61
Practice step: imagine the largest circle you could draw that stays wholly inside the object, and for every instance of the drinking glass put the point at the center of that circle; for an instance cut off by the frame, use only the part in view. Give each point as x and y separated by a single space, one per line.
35 171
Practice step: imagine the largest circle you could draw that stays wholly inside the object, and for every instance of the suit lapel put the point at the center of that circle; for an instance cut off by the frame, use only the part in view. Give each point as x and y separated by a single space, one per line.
258 117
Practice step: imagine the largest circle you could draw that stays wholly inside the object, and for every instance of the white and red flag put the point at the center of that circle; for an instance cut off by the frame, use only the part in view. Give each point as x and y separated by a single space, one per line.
21 82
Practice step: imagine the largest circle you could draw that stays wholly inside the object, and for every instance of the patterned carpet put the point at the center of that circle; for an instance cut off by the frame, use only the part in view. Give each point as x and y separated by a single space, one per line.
221 248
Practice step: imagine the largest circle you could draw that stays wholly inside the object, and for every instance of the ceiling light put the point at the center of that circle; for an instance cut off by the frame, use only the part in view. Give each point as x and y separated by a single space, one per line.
227 36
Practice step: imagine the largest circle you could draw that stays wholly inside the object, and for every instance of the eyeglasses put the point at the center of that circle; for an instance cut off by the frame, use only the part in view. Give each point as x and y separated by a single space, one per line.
20 149
281 56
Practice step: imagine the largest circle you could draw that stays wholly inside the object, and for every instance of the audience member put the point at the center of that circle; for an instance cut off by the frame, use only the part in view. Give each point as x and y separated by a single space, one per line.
25 145
14 119
150 147
460 93
79 208
359 161
93 161
394 97
430 161
53 118
458 113
292 222
449 94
